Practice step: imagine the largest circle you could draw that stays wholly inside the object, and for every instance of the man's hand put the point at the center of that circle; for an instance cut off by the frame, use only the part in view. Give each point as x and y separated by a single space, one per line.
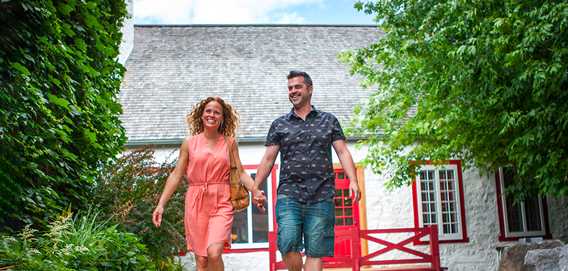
259 199
354 188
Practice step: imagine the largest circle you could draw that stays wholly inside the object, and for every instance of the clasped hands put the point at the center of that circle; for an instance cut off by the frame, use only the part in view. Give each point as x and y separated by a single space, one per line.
259 199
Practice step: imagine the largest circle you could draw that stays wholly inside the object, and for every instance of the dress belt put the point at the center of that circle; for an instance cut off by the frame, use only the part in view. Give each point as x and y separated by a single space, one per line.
201 193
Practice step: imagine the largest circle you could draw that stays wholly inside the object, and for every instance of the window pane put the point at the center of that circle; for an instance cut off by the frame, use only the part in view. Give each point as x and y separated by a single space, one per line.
338 202
514 216
508 173
240 229
260 220
525 216
532 214
448 201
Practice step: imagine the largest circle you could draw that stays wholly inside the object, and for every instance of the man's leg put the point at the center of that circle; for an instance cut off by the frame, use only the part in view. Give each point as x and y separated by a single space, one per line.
313 264
289 219
318 230
293 261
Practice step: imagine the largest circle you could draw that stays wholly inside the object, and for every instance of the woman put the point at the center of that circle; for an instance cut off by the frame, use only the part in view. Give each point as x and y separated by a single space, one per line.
204 158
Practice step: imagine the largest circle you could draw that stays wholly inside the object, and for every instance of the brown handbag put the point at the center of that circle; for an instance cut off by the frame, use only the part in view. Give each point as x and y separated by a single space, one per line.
240 198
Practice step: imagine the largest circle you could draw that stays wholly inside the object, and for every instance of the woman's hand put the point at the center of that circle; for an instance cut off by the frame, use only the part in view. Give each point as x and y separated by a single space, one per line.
157 216
259 199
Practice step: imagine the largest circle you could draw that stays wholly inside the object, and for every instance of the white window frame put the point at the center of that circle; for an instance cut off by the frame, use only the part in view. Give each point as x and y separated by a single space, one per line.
523 233
459 235
250 244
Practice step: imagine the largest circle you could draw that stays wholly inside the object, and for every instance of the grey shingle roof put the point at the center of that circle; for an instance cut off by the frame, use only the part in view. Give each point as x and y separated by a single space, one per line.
173 67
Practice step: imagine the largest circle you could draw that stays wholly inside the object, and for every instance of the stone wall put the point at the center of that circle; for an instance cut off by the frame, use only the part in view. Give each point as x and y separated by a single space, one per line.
555 259
558 218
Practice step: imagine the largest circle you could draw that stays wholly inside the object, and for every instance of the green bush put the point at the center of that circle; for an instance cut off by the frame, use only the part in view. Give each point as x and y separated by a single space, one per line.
59 80
127 192
80 244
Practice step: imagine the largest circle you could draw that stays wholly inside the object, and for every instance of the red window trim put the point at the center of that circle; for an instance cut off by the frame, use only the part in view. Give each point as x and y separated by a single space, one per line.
502 233
465 238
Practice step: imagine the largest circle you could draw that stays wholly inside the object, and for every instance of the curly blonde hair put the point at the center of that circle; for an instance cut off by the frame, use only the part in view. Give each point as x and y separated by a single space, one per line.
228 126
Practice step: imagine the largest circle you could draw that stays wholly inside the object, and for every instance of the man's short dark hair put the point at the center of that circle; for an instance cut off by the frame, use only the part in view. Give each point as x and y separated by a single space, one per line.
307 78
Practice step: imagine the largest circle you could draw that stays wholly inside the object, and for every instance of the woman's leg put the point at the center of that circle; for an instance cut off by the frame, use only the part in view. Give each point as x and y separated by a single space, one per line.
214 255
201 263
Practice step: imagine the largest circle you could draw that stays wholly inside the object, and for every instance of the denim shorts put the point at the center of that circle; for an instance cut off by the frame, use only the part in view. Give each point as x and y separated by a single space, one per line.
311 222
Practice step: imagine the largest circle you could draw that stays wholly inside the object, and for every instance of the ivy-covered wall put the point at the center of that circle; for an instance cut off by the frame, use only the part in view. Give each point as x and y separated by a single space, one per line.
59 80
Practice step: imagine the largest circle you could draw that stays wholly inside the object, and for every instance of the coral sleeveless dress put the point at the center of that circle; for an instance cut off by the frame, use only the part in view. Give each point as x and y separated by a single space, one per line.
208 210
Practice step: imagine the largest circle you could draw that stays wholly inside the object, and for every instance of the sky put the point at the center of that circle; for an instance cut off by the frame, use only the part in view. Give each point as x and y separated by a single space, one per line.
248 12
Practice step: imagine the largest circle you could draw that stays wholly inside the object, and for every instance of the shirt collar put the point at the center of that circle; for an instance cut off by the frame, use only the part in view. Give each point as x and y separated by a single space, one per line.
292 114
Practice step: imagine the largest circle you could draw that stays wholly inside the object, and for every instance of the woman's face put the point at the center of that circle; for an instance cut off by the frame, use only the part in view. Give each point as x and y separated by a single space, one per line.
212 115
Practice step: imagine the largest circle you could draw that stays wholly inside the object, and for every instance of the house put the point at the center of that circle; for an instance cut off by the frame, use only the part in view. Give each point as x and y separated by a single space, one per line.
170 68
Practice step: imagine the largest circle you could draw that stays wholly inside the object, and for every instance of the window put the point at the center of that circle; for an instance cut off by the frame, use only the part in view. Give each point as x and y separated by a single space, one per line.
344 214
522 219
438 200
251 227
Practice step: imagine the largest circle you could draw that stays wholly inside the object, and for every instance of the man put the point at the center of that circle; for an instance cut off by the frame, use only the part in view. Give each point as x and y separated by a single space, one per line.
304 207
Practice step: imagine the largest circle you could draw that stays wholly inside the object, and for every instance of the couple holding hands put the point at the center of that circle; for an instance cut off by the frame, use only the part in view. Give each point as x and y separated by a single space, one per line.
305 211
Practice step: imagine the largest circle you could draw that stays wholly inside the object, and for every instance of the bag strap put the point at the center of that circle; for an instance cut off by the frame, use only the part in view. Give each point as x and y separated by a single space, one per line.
232 162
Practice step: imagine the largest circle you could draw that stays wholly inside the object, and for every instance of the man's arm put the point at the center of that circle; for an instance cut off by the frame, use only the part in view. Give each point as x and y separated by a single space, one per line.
266 164
348 166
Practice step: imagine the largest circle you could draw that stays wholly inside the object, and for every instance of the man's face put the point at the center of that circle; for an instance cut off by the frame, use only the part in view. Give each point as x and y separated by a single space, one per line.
299 93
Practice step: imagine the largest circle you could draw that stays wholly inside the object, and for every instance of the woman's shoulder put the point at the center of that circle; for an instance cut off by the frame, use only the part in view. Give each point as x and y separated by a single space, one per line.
189 139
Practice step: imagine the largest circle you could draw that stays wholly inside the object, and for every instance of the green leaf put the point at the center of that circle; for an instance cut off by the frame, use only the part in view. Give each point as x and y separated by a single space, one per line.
19 67
58 101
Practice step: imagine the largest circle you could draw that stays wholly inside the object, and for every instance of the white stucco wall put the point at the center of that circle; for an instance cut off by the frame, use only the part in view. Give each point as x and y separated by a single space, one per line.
393 209
127 30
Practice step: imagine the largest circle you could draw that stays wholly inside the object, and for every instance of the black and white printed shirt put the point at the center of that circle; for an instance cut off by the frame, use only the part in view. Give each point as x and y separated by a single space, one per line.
306 171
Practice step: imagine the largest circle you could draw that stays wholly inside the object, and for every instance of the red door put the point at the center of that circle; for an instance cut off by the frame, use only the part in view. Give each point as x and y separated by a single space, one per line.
346 217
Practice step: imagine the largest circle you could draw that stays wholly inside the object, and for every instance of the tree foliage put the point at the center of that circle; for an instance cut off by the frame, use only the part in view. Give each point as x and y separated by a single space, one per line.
59 80
481 81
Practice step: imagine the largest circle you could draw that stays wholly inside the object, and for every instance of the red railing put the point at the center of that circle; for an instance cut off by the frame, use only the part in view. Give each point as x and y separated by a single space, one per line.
429 262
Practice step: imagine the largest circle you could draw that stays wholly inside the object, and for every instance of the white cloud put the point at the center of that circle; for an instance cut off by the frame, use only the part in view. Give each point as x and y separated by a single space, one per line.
162 12
288 18
218 11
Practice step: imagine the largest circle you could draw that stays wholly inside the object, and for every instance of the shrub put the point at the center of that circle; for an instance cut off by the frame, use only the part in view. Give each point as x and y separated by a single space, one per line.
127 192
79 244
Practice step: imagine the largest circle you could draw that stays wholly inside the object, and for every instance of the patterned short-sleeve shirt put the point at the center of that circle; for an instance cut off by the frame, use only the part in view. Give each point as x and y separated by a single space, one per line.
306 171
